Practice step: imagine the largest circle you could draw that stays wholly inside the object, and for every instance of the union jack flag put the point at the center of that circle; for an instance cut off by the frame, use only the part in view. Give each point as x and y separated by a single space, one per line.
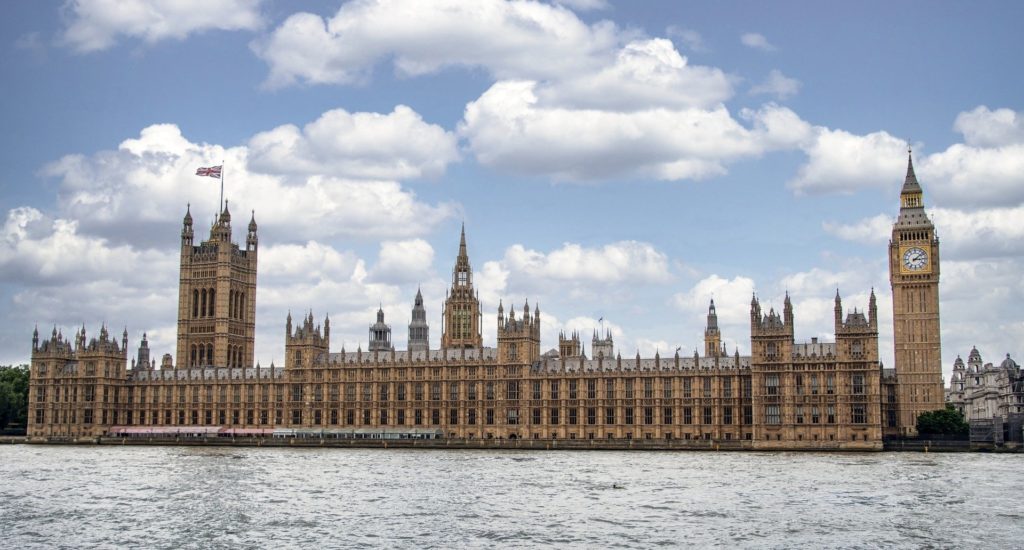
212 171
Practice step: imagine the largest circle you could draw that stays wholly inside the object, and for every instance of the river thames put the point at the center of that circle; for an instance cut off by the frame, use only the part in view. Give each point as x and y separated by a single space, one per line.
214 497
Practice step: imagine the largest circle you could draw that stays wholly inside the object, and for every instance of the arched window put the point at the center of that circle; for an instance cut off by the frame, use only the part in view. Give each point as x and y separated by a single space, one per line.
202 308
209 354
211 302
193 363
241 308
202 356
231 303
195 303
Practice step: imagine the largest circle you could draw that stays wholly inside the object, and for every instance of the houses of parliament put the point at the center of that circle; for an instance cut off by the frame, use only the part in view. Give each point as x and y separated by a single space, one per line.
782 395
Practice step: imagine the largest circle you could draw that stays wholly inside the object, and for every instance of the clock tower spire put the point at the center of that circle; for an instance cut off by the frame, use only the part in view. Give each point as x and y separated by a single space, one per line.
914 276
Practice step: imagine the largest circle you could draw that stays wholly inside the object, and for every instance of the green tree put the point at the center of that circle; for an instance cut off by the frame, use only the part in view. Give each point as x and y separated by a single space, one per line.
13 396
948 421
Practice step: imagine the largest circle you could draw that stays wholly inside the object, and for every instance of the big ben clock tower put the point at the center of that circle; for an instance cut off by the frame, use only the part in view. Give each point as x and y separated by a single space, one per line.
914 275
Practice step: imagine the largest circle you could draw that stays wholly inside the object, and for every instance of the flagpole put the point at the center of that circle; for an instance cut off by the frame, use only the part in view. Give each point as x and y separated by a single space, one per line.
222 185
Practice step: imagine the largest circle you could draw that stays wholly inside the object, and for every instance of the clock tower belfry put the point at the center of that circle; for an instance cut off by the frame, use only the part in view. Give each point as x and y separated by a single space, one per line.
914 275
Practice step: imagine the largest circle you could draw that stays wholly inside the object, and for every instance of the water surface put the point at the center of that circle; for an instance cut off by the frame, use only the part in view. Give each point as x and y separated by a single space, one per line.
217 497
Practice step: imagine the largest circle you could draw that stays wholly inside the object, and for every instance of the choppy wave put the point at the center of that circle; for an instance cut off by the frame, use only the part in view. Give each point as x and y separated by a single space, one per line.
188 497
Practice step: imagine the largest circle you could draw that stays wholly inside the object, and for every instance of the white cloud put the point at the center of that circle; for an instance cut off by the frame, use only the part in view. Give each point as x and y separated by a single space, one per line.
617 262
407 261
986 170
646 74
491 282
56 275
507 39
732 298
398 145
874 230
602 276
964 175
778 85
283 263
39 250
986 128
103 192
983 233
818 281
981 306
509 127
756 41
841 162
94 25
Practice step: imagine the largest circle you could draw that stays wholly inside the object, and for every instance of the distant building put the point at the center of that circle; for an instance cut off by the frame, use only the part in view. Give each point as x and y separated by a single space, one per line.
986 391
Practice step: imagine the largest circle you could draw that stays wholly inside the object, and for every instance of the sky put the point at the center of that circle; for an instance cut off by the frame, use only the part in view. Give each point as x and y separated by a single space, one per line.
616 162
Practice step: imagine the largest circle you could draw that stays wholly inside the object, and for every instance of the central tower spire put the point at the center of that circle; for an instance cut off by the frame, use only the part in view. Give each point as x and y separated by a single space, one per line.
461 315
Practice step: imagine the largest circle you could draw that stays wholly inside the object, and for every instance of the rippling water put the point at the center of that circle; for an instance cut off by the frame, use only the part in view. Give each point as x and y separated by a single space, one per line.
186 497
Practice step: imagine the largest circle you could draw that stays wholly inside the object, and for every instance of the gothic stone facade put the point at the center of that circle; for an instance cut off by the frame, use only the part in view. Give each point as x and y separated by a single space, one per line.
783 395
986 391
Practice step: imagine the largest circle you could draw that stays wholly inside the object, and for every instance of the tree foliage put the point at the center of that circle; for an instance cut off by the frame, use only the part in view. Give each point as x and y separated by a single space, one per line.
13 396
948 421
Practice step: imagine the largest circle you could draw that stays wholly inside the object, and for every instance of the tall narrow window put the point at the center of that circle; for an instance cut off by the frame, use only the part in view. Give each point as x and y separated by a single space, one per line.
858 384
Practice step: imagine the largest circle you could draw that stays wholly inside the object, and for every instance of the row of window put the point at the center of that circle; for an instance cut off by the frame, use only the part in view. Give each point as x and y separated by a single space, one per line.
772 387
204 300
538 416
489 390
814 414
551 416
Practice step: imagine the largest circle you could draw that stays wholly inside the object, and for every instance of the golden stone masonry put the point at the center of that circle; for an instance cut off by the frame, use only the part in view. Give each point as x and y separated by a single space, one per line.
784 395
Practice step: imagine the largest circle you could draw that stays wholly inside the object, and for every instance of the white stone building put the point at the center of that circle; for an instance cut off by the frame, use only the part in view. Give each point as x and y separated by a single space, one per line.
986 391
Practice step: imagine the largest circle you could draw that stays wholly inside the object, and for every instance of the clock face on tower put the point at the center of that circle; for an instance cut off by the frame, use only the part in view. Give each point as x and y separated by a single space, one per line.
915 259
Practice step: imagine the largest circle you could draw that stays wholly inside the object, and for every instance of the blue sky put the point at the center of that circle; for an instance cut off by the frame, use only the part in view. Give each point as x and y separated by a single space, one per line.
612 160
